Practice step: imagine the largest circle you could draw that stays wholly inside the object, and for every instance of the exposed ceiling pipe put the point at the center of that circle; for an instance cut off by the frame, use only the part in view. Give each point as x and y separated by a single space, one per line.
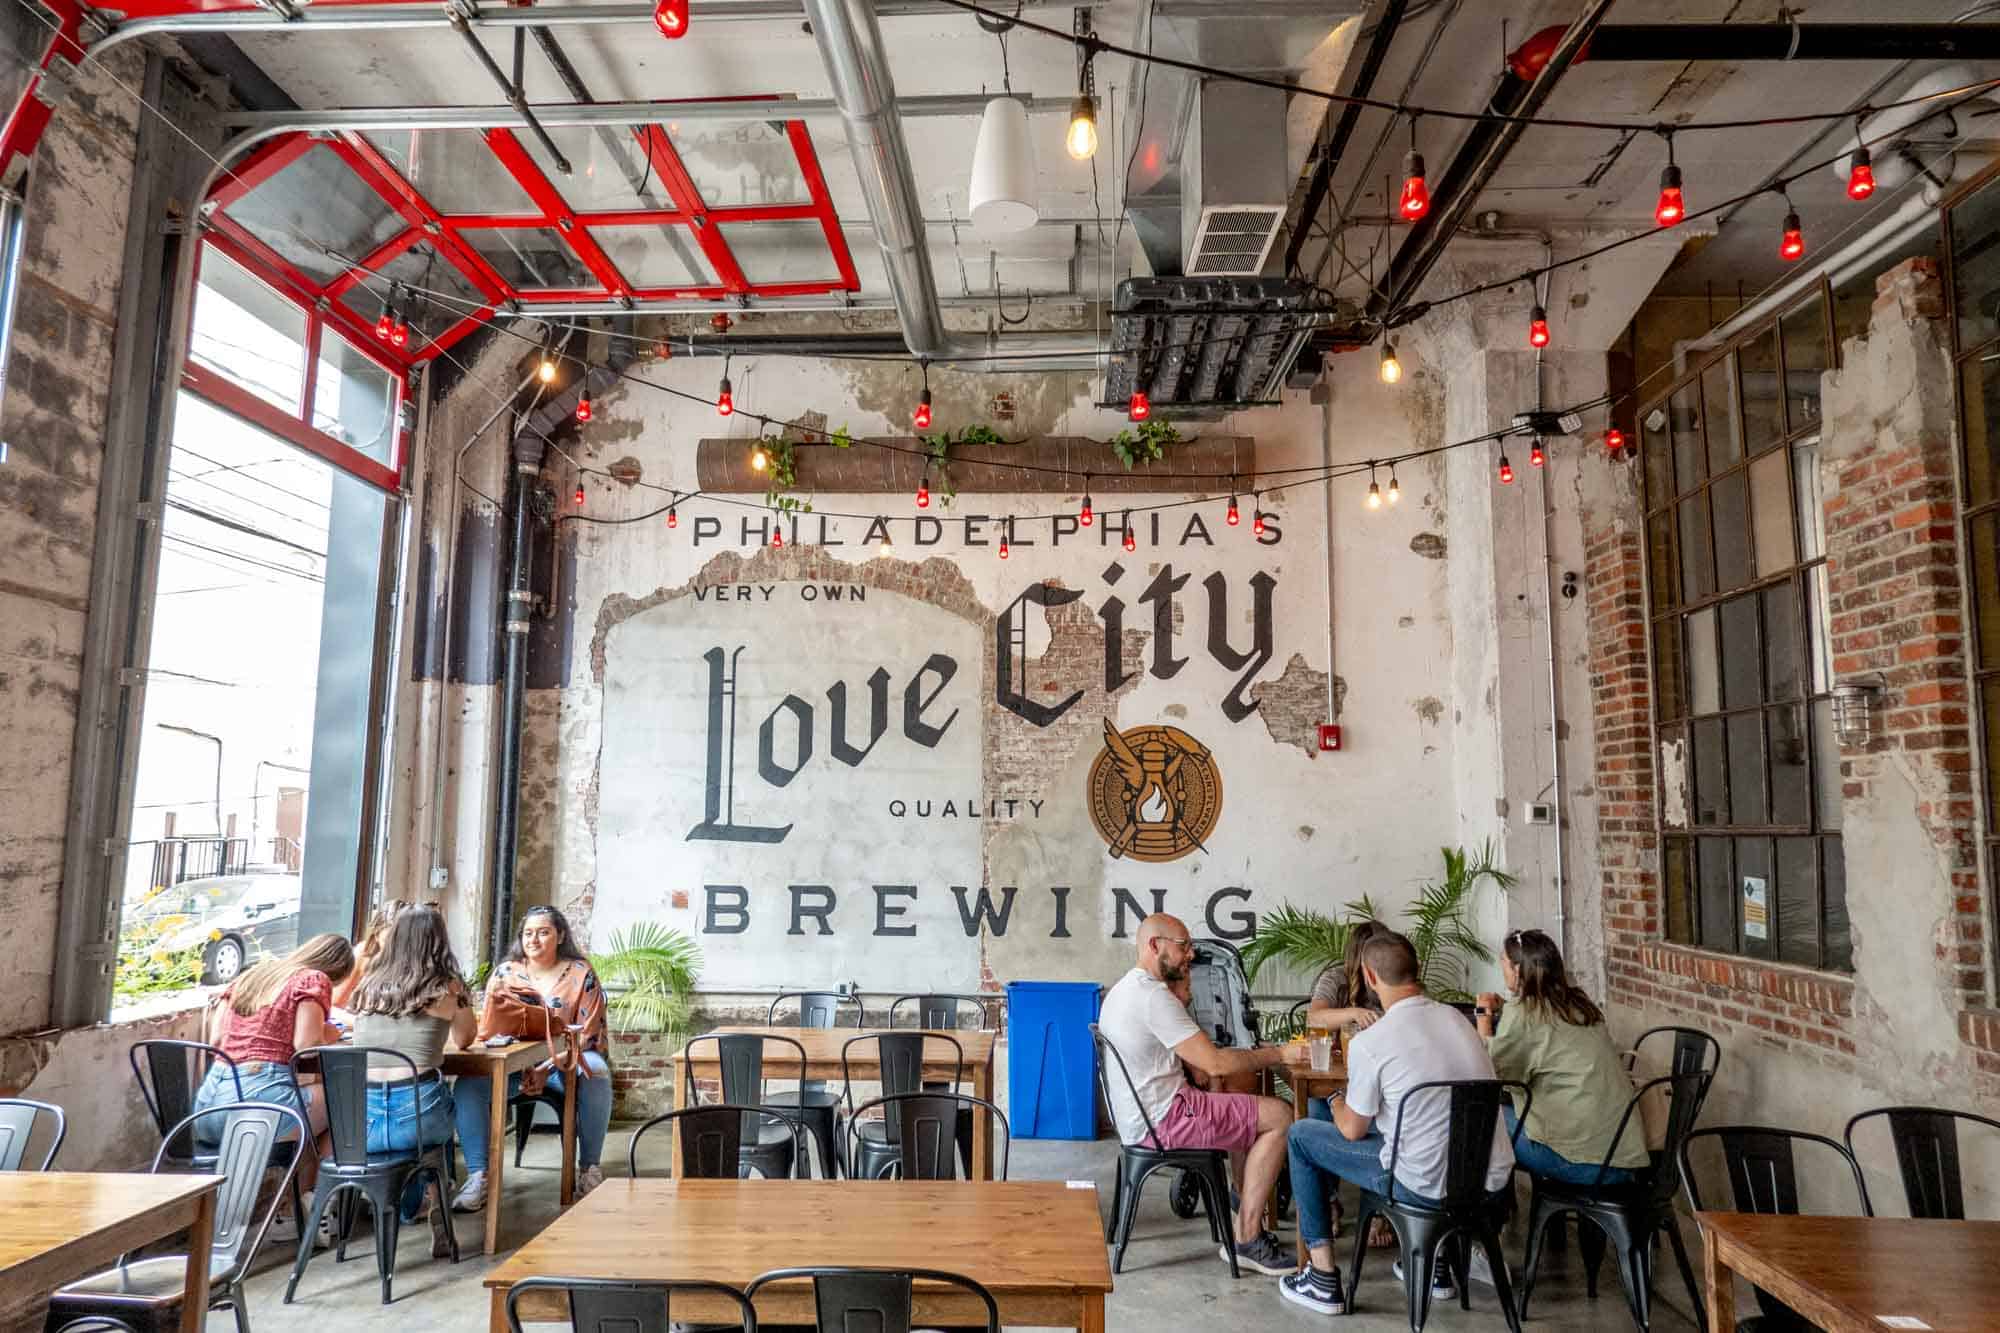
1343 130
1709 42
594 113
857 67
1486 146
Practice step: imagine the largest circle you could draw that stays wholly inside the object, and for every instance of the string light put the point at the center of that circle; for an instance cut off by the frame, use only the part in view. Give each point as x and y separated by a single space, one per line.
1130 543
1860 173
383 322
1139 409
583 405
924 489
579 494
1003 547
673 517
1793 243
1392 369
885 550
759 460
778 534
1506 471
671 17
1672 207
1374 500
1081 140
922 416
1614 440
546 372
399 332
1416 199
1395 489
1257 524
725 401
1538 327
1232 518
1085 516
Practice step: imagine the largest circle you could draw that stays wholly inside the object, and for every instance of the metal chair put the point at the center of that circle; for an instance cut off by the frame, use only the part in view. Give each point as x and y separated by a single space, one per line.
1764 1178
901 1058
916 1125
872 1298
710 1139
1926 1142
1694 1052
169 1074
1295 1017
769 1149
815 1099
1627 1215
18 1117
146 1294
1467 1211
599 1305
1208 1168
352 1169
941 1012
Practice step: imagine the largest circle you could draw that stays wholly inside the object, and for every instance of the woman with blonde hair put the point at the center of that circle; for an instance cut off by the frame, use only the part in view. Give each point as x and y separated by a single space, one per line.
370 948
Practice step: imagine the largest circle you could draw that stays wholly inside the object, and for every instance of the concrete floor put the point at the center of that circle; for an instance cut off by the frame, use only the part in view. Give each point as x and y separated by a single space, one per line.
1171 1270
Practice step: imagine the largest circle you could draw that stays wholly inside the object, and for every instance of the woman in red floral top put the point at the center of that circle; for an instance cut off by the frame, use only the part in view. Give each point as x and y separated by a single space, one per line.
546 963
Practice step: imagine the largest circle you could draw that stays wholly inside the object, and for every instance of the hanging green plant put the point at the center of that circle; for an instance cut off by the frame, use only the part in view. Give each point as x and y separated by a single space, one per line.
781 473
938 449
1147 444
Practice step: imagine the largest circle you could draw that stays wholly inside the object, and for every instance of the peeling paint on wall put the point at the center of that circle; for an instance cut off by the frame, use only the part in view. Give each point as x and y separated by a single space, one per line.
1429 545
1294 705
1429 709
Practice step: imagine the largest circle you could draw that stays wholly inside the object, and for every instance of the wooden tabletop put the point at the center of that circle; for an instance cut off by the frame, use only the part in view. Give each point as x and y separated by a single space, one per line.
1848 1273
1037 1245
479 1061
824 1045
58 1226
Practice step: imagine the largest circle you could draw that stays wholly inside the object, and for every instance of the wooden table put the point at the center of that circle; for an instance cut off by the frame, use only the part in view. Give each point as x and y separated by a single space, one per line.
823 1047
1037 1245
1307 1083
57 1227
497 1063
1848 1274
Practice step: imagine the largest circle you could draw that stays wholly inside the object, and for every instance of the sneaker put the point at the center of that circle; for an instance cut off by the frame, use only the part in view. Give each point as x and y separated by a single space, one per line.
1315 1290
1264 1255
472 1195
1442 1287
1480 1271
589 1180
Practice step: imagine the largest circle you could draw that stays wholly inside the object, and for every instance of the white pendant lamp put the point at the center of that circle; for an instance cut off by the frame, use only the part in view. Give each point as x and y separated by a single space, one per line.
1003 169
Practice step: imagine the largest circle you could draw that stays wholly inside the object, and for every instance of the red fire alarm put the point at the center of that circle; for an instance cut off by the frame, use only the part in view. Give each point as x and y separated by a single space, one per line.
1329 736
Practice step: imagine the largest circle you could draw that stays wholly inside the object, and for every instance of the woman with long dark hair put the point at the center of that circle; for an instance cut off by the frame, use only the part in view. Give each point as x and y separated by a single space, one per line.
1553 1038
1340 994
411 1001
546 964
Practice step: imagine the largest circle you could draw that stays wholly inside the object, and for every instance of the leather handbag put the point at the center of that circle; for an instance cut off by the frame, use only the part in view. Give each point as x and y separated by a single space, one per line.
520 1013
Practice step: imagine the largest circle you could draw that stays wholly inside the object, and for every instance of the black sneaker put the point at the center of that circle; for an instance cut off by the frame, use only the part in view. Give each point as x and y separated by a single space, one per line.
1315 1290
1263 1254
1442 1288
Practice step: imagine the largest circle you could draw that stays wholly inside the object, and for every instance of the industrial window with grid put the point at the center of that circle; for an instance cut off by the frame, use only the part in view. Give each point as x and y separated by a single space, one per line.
1748 765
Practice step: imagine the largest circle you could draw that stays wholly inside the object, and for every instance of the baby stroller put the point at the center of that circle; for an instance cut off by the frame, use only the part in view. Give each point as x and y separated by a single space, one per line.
1220 1002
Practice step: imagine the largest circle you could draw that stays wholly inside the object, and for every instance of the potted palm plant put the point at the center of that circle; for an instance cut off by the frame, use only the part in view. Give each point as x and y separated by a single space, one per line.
648 971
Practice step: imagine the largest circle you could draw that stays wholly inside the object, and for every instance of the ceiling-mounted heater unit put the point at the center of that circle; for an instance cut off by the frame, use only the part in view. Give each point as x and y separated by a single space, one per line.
1234 190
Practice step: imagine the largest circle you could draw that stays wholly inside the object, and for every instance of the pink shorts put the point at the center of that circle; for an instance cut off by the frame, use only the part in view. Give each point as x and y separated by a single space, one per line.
1203 1119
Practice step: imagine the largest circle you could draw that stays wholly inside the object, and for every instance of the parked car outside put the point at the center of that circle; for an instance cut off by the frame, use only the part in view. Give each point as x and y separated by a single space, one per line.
235 920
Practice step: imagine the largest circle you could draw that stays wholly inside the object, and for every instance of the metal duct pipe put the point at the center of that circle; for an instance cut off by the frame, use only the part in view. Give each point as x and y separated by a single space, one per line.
1486 146
1768 41
850 46
1343 130
528 450
503 116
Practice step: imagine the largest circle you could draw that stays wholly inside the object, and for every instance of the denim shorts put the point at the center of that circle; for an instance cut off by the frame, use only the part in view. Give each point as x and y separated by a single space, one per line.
262 1081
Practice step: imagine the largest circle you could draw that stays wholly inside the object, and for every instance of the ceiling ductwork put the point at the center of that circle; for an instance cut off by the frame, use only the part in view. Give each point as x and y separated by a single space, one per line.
1204 345
1234 185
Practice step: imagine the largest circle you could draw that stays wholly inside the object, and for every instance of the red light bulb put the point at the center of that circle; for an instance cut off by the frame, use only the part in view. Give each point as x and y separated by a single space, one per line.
1793 243
1130 544
1506 471
1671 208
1416 199
1003 548
1860 174
673 517
1538 327
1257 524
1535 456
399 335
1086 516
924 494
671 18
778 535
922 416
583 408
1233 517
725 402
579 493
1139 409
384 325
1614 439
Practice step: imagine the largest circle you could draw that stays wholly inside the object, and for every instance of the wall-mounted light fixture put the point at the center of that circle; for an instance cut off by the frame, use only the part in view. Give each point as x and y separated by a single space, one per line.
1856 700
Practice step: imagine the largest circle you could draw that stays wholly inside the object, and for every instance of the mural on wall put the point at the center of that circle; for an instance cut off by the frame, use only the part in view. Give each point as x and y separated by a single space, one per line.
871 776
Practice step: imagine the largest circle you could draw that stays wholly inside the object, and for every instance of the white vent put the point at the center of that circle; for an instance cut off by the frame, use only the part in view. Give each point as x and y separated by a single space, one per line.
1232 241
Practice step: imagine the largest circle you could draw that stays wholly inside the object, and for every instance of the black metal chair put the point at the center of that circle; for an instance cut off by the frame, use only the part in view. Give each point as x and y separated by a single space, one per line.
170 1073
1627 1215
901 1059
768 1148
845 1299
1693 1052
1762 1167
1295 1017
1208 1168
710 1139
1926 1142
940 1012
353 1170
1467 1211
816 1099
146 1294
18 1117
598 1305
922 1126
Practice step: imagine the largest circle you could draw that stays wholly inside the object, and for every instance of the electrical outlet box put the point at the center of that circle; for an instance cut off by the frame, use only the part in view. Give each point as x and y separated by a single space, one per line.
440 879
1329 737
1541 812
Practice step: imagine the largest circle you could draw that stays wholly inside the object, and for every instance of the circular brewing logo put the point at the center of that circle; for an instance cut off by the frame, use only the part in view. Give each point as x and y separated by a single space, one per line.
1154 793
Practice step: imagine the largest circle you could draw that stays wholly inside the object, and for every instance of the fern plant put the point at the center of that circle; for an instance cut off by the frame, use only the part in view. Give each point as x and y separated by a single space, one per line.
653 969
1303 938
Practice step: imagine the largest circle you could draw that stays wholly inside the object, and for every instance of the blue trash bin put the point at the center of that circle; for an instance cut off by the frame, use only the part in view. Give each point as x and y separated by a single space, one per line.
1051 1063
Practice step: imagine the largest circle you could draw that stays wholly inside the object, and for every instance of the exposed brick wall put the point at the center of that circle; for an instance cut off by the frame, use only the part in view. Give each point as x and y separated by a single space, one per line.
1621 703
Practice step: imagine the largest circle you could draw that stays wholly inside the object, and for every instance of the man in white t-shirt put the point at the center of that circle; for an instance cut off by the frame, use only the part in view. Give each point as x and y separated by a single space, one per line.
1415 1041
1152 1033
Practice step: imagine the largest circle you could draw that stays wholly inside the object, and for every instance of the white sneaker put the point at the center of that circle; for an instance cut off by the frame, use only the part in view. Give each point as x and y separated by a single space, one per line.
1480 1271
589 1180
1442 1287
471 1196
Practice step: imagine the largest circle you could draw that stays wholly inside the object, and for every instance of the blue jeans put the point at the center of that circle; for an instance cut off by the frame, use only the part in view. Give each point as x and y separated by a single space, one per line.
266 1082
1541 1160
1321 1155
593 1111
396 1122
